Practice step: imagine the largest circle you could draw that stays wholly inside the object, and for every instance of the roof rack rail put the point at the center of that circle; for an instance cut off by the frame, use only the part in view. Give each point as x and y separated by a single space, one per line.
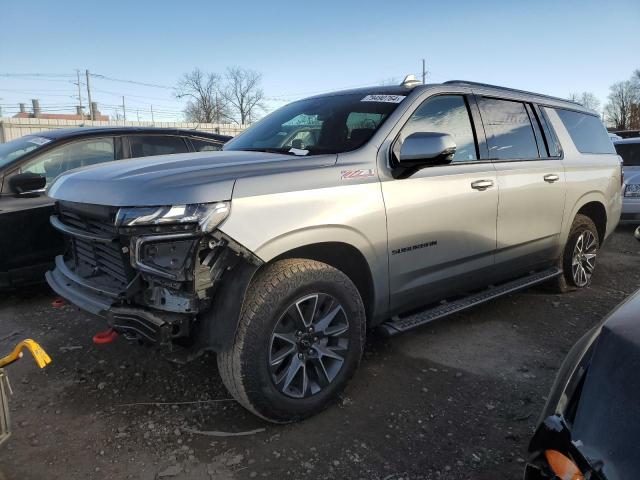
515 90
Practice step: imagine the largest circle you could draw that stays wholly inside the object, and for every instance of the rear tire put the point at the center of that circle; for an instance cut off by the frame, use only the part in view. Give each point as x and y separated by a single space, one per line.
299 340
578 260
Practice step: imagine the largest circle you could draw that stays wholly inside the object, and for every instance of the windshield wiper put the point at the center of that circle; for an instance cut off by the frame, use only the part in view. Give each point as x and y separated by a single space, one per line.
283 151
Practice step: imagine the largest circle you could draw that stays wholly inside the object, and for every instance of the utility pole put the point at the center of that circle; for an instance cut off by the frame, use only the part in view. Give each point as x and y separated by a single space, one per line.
138 114
216 113
424 72
152 121
124 110
79 91
91 115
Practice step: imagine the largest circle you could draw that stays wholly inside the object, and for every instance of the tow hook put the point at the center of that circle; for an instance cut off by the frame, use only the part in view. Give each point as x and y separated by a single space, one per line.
58 302
104 337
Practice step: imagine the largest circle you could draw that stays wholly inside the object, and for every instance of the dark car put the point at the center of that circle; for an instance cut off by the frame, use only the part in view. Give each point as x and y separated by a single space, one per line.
590 426
28 164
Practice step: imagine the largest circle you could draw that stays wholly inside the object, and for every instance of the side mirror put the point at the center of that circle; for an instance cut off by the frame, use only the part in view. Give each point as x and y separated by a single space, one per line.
637 234
424 149
27 182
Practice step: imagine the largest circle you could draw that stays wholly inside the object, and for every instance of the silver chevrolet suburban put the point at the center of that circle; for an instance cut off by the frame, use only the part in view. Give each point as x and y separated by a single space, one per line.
385 207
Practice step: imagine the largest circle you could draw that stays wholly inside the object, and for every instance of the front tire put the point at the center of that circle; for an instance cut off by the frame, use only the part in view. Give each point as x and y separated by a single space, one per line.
299 340
578 261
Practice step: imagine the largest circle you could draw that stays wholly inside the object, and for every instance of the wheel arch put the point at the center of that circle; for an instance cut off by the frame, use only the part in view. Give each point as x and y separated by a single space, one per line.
344 257
598 214
592 205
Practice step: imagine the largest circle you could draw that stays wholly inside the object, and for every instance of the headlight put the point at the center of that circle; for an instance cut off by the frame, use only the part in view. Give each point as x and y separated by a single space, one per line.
632 190
207 215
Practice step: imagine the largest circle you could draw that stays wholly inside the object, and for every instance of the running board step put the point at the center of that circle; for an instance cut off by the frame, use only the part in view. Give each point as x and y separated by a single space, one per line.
399 325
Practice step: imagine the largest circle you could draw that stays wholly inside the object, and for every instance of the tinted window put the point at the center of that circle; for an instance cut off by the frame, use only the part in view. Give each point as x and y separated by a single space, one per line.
630 153
586 131
148 145
509 132
201 145
328 124
444 114
72 155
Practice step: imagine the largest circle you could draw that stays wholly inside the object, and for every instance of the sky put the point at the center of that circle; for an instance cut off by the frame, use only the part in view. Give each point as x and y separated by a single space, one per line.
302 48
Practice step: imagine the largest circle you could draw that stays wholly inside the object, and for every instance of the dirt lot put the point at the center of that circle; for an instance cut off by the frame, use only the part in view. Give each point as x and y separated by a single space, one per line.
454 400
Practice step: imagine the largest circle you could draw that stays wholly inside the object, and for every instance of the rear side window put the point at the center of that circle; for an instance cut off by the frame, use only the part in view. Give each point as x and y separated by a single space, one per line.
149 145
510 134
586 131
630 153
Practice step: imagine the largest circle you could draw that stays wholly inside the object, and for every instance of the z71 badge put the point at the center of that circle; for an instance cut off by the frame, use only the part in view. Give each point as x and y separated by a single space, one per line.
351 174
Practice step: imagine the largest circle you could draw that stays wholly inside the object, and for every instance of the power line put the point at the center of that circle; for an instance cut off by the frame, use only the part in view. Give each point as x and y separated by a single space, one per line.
153 85
36 75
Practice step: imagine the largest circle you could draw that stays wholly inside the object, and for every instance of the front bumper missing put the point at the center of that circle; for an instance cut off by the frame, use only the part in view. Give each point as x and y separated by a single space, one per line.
77 293
133 323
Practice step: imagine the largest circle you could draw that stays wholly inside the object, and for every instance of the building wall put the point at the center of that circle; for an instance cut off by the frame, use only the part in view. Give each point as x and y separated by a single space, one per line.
12 128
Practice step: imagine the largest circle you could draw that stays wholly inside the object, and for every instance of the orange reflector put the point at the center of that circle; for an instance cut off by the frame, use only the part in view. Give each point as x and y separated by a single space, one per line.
562 466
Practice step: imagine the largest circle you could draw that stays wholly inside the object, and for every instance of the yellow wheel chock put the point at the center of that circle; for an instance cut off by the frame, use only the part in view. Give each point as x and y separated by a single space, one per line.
39 355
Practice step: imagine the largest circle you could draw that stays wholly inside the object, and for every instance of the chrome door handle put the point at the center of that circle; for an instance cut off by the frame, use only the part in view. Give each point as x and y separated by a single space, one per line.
552 177
481 184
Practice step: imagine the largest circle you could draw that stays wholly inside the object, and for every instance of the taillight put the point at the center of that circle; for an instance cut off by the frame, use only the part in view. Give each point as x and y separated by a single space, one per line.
562 466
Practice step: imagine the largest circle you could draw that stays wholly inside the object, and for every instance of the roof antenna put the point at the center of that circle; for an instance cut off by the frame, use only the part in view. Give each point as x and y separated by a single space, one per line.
410 81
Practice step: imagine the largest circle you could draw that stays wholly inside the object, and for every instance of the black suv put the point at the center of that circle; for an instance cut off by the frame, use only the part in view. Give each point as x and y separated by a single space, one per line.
28 164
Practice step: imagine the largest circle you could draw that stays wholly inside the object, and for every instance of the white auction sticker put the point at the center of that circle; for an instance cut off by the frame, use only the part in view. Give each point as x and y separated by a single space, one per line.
39 140
383 98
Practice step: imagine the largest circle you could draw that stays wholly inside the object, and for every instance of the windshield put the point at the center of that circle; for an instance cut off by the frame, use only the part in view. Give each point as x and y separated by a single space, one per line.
333 124
630 153
15 149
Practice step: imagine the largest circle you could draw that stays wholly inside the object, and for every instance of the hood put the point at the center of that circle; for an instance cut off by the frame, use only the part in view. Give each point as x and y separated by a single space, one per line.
172 179
607 420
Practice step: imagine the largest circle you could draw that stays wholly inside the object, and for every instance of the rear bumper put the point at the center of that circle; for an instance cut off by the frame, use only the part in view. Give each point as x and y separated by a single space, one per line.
630 209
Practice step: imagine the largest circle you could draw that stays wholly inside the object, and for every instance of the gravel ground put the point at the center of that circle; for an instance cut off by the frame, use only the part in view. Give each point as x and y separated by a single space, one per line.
457 399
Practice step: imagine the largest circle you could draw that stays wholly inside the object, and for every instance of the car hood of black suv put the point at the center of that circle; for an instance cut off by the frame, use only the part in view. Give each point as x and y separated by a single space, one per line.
606 420
600 383
173 179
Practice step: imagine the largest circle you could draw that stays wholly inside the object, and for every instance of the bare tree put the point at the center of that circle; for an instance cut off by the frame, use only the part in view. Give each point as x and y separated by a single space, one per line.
243 94
587 99
205 103
621 98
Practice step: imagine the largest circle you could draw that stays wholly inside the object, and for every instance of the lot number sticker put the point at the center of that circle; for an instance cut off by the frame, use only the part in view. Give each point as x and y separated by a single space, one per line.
383 98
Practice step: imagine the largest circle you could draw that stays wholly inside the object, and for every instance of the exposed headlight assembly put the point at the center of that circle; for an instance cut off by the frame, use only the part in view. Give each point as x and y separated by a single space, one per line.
167 252
632 190
207 215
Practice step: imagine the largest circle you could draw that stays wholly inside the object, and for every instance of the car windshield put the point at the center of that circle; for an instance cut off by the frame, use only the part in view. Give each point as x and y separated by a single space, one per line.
332 124
630 153
15 149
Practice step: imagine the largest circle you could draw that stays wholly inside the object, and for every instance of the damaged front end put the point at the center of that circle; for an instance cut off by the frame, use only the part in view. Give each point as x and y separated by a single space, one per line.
155 273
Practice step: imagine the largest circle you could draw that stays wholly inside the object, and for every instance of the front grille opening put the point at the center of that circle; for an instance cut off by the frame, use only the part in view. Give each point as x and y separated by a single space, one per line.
102 263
